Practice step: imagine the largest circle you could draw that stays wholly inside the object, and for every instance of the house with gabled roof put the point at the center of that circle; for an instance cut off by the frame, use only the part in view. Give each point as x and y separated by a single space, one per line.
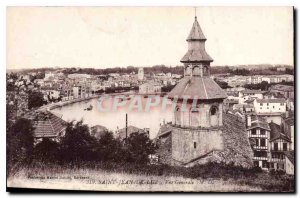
259 134
47 125
279 144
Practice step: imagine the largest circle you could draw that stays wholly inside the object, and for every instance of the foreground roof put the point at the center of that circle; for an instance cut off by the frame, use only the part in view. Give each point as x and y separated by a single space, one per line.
48 125
203 88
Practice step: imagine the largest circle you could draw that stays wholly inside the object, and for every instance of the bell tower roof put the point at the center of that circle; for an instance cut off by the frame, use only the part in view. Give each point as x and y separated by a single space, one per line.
196 51
196 32
197 82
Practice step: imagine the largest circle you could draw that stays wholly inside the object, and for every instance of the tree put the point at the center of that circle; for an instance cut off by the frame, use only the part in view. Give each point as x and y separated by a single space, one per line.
264 85
35 99
139 147
20 141
47 150
223 85
78 145
109 148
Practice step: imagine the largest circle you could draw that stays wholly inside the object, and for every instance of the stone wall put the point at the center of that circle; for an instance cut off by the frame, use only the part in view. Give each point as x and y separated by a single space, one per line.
227 144
165 149
188 144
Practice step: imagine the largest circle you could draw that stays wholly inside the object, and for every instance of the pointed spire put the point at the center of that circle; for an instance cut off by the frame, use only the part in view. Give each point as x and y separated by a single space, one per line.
196 42
196 32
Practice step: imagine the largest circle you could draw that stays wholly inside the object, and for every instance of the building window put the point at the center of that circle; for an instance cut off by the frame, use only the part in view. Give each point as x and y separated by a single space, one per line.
264 164
253 132
285 146
214 116
194 117
263 132
263 142
213 111
275 146
178 116
195 145
267 104
261 104
256 142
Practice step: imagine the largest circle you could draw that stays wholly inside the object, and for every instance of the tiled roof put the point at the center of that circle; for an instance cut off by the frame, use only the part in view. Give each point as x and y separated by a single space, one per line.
48 125
196 56
291 156
250 91
121 133
259 124
277 133
290 121
283 87
248 106
237 147
196 32
249 101
231 101
202 88
164 130
274 100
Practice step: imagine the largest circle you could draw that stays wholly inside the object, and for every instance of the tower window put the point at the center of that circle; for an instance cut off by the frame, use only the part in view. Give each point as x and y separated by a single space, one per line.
213 111
194 117
178 116
213 116
197 71
195 145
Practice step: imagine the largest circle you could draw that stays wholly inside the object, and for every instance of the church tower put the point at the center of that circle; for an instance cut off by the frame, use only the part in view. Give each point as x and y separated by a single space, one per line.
141 74
198 116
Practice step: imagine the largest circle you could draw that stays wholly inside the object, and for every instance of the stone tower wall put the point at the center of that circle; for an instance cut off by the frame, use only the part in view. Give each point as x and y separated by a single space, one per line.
189 144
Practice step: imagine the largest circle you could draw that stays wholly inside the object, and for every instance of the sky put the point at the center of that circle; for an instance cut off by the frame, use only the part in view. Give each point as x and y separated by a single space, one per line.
102 37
